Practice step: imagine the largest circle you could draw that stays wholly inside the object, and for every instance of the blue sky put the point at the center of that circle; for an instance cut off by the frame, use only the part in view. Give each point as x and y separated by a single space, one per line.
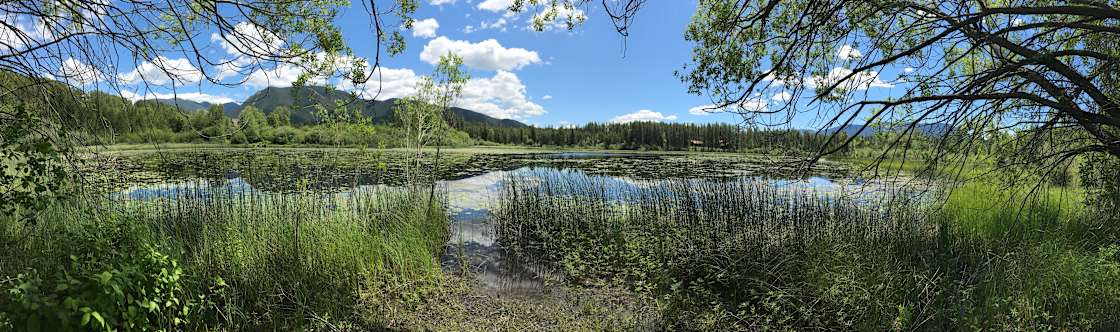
548 78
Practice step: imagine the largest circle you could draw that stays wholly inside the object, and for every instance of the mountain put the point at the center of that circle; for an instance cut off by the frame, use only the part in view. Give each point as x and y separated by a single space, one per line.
928 129
230 109
301 102
186 105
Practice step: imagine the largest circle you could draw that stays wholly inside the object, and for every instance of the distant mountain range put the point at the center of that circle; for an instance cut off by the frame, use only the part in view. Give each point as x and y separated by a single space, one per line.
929 129
301 103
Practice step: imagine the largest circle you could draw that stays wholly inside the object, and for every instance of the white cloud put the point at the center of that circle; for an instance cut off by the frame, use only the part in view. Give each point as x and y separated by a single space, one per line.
557 18
546 97
162 71
280 76
386 83
499 24
284 74
502 96
76 72
249 39
643 115
425 28
487 54
755 104
860 81
908 70
441 2
22 32
192 96
495 5
847 52
704 110
782 97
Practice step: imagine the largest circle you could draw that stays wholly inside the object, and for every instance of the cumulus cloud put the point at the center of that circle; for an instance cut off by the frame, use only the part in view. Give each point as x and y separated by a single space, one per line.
495 5
76 72
192 96
558 18
425 28
162 71
385 83
21 32
755 104
860 81
281 76
908 70
249 39
546 97
440 2
487 54
782 97
643 115
502 96
847 52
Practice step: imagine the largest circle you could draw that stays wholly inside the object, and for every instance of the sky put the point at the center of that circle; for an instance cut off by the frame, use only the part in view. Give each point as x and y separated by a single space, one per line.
555 77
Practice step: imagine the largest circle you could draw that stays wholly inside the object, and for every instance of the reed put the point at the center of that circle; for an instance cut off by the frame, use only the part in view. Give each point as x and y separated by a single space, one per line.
249 259
754 254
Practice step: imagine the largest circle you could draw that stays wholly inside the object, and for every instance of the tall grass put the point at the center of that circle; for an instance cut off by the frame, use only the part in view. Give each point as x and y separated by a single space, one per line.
248 259
749 254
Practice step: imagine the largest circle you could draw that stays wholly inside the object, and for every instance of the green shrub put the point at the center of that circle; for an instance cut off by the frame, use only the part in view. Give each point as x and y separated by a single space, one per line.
142 291
283 135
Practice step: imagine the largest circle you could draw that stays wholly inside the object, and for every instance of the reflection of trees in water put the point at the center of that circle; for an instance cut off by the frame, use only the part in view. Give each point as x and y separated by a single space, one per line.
280 170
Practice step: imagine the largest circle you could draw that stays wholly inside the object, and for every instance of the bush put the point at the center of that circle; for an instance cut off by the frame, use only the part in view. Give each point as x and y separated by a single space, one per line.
1100 174
139 291
283 135
238 138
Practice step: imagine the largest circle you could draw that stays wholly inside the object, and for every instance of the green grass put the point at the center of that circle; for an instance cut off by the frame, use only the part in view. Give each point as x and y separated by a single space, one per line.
747 256
247 260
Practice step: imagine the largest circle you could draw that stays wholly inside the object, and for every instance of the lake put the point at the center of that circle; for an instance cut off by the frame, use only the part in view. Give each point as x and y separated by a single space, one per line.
472 183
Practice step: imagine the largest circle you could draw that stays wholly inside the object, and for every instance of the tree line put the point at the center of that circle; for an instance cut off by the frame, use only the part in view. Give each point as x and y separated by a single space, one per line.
653 136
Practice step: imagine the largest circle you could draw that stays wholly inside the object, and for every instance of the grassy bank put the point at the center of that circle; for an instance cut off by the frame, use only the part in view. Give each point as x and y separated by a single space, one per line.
213 259
745 255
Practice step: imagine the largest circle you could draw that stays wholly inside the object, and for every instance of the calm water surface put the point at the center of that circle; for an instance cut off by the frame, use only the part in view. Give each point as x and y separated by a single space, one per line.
472 246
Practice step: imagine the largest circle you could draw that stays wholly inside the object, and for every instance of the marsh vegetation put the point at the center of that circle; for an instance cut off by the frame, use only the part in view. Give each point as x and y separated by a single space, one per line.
349 193
256 241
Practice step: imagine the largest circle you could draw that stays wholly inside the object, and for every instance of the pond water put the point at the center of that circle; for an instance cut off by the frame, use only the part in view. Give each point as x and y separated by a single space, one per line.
472 246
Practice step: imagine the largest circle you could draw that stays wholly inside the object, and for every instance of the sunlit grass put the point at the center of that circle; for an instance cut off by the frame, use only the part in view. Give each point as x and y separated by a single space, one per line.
748 255
279 260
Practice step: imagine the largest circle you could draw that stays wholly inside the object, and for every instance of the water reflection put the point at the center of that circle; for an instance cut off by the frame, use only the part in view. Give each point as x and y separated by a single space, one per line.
472 246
